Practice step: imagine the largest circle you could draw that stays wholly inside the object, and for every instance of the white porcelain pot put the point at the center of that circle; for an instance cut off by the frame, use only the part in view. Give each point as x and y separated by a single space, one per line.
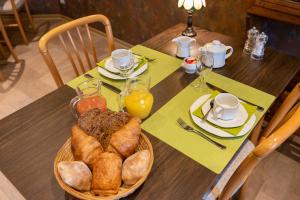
218 51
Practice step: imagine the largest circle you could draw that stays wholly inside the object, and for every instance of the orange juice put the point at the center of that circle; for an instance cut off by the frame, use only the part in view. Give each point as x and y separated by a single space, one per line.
139 103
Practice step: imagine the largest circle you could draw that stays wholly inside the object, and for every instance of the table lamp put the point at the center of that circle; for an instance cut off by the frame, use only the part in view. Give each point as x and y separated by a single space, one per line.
191 6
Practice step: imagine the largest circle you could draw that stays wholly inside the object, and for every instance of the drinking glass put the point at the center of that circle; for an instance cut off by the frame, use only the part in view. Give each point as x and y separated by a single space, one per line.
136 97
207 63
123 60
88 97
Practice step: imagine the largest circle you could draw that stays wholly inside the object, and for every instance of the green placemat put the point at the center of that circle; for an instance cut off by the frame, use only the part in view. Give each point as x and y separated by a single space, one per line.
163 125
235 130
159 69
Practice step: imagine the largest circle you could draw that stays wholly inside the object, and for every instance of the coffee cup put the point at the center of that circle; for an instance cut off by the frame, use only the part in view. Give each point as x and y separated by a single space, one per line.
121 58
225 106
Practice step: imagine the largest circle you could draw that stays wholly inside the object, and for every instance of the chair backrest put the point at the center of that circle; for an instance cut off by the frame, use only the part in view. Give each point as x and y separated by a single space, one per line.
78 52
285 122
288 106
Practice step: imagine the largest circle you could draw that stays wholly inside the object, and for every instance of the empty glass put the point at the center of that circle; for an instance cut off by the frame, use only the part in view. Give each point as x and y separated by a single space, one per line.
123 60
207 63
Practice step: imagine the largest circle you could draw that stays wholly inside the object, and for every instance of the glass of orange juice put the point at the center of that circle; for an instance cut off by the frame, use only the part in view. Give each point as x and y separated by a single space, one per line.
136 97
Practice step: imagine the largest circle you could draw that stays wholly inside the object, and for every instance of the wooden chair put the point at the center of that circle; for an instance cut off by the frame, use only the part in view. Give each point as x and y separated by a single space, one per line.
65 28
285 122
12 7
279 116
9 46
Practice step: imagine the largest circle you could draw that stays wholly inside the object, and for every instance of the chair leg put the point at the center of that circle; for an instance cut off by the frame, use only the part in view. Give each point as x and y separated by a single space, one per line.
20 27
1 76
243 191
7 41
2 51
29 16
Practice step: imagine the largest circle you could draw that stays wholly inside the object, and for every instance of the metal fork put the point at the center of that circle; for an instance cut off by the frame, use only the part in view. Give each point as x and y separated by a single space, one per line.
148 59
186 127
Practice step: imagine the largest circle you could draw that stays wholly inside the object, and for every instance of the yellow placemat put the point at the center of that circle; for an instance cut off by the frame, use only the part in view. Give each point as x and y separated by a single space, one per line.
163 125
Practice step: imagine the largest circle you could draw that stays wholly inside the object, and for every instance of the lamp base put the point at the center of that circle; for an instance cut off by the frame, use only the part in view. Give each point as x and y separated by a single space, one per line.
189 31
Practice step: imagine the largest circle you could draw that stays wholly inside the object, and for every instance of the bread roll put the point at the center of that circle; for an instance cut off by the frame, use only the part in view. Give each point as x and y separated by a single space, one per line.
135 167
75 174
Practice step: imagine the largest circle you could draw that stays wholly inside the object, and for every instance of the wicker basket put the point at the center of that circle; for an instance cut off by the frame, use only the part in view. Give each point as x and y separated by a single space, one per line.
65 154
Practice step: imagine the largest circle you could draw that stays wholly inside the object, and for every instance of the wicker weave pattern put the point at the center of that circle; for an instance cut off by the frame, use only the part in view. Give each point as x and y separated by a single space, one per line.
65 154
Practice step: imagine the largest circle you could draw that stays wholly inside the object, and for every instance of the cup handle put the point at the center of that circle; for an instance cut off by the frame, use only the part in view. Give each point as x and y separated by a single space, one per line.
230 51
217 112
73 104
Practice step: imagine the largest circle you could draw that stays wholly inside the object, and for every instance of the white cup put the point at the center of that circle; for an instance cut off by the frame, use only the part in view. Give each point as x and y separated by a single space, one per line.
225 106
121 58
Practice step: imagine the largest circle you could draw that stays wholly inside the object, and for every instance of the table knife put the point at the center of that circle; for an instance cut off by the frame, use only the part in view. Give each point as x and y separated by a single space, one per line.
111 87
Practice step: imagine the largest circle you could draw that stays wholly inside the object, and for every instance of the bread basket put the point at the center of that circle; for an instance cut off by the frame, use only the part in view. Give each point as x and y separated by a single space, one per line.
65 154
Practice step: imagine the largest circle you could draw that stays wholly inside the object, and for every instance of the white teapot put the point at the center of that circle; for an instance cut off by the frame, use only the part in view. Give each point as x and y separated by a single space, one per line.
218 51
183 46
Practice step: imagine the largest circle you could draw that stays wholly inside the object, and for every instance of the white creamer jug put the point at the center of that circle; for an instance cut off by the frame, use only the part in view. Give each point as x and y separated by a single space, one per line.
183 46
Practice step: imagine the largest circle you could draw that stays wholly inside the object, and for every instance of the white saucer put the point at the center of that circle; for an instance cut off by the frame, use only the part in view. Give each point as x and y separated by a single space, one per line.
108 71
213 130
109 65
239 120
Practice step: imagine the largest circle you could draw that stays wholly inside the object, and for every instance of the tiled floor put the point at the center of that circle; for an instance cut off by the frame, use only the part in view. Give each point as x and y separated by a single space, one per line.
276 178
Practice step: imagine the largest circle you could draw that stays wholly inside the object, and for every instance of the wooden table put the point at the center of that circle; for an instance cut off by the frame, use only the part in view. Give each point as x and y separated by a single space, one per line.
31 137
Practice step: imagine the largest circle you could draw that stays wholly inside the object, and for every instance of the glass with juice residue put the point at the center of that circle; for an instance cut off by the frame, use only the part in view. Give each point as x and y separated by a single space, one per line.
88 97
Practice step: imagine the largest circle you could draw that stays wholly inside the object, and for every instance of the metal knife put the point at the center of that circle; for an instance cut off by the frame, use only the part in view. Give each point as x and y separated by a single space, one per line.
111 87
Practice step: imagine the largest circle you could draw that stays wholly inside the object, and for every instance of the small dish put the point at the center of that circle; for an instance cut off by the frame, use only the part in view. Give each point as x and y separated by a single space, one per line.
109 66
109 71
190 65
240 118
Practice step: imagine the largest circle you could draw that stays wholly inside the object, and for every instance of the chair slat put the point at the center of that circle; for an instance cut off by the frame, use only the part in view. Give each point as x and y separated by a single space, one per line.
84 49
76 52
68 54
91 43
69 43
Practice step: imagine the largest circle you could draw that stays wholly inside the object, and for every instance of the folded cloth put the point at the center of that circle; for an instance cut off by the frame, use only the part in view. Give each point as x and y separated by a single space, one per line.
235 130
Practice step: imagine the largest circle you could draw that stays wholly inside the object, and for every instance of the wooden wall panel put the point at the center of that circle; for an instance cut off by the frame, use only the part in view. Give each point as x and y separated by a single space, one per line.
136 21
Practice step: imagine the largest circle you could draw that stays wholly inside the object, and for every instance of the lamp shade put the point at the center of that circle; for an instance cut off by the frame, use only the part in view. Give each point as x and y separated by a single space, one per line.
189 4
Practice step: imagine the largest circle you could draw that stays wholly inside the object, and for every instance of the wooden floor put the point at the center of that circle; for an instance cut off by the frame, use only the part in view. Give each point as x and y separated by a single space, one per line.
276 178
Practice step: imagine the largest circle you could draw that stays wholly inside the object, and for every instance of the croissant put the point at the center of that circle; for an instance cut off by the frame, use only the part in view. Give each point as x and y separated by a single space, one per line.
125 140
85 147
75 174
107 174
135 167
